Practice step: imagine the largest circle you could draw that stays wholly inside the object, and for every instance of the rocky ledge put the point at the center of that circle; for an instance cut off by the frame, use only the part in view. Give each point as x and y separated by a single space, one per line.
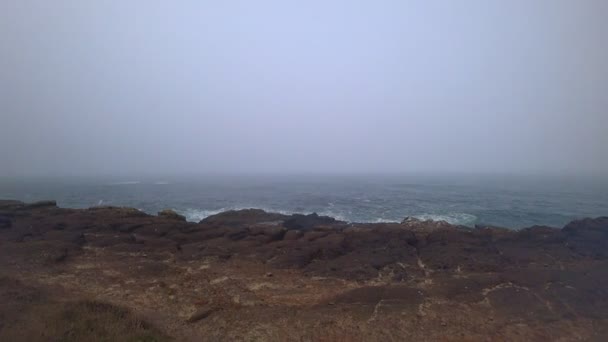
254 275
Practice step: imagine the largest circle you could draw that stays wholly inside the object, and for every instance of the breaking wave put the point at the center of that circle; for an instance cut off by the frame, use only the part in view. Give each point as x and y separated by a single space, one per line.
464 219
451 218
196 215
384 220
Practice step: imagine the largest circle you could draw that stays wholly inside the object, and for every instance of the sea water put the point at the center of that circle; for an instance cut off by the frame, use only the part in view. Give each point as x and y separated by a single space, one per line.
507 201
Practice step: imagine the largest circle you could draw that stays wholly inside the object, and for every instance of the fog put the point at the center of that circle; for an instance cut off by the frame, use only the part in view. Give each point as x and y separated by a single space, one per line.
104 87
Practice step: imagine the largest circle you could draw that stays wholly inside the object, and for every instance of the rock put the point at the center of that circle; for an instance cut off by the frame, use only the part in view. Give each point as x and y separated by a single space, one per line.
410 220
5 222
171 214
269 233
588 237
10 204
307 222
41 204
426 225
242 217
292 235
370 273
123 212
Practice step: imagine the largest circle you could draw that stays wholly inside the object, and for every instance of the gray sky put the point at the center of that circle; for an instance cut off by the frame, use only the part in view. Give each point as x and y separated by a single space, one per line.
303 86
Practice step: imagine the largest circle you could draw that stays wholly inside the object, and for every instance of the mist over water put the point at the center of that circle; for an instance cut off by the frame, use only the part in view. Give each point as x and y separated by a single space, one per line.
139 88
507 201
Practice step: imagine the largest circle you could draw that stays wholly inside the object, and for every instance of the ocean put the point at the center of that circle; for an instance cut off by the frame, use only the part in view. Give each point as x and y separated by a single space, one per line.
506 201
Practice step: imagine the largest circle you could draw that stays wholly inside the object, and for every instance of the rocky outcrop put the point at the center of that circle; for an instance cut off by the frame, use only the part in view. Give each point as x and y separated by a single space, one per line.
41 204
242 217
542 282
306 222
171 214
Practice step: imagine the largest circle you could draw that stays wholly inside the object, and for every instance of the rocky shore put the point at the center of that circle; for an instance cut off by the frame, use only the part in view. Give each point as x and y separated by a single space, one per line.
252 275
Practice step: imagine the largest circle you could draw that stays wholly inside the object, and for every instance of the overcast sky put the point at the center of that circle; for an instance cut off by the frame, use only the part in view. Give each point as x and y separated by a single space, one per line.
102 87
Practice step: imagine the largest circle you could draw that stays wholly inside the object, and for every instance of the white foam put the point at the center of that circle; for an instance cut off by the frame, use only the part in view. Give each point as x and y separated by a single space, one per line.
196 215
161 183
337 216
384 220
451 218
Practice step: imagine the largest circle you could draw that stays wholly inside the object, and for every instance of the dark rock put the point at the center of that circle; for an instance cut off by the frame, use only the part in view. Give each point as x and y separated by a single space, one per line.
76 238
41 204
108 240
171 214
293 235
410 220
117 212
588 224
307 222
5 222
10 204
269 233
242 217
588 237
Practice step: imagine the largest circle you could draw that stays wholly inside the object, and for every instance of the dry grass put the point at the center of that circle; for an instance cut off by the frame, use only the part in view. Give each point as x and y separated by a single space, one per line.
28 314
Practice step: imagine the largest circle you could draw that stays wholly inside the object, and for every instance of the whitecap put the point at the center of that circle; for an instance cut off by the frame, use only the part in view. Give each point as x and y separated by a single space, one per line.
384 220
463 219
196 215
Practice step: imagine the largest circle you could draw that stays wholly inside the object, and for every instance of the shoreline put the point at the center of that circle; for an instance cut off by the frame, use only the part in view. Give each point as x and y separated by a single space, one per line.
194 215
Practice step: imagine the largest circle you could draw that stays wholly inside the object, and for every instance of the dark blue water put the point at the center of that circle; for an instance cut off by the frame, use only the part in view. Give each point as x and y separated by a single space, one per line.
506 201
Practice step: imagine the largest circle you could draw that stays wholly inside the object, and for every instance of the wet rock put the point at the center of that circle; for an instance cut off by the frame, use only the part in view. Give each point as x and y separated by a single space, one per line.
307 222
242 217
